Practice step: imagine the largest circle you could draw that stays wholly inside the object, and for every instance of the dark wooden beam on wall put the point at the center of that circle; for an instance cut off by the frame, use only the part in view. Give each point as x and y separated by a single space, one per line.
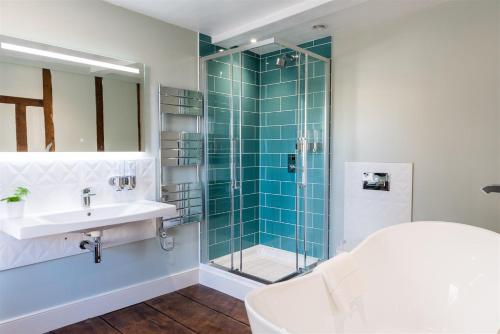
21 100
48 113
20 104
139 115
20 107
99 106
21 128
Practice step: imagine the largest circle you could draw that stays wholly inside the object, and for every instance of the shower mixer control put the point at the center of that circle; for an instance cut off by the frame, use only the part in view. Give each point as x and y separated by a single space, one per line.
291 163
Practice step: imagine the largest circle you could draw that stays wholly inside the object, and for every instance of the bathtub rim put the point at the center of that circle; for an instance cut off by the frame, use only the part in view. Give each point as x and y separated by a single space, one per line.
423 222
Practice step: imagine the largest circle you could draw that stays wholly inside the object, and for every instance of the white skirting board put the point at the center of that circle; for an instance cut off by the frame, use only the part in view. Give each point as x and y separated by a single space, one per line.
62 315
223 281
66 314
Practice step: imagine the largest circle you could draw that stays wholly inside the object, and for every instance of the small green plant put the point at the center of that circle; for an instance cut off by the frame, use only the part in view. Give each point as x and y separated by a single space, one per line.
18 196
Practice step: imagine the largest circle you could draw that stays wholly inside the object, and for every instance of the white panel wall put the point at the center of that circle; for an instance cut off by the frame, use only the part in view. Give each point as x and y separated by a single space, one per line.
367 211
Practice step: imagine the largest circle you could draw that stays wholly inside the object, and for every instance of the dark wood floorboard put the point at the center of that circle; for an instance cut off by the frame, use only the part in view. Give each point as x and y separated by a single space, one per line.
142 318
217 301
196 309
89 326
197 317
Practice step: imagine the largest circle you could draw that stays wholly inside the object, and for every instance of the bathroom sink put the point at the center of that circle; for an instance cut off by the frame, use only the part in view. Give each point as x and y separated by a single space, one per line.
80 220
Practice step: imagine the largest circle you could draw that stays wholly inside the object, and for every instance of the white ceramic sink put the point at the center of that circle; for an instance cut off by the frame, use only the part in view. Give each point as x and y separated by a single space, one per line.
96 218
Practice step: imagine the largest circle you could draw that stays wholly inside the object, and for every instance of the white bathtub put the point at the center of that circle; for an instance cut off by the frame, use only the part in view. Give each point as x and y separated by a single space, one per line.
422 277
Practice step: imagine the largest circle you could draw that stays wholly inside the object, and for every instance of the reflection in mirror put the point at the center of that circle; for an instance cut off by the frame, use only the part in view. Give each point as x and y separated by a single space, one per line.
54 99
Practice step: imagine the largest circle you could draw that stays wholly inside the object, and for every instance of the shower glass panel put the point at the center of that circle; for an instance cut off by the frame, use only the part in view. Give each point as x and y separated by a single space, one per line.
314 181
266 175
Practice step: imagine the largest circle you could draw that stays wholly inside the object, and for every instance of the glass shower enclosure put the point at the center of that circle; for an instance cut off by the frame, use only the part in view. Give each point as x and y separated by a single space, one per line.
266 173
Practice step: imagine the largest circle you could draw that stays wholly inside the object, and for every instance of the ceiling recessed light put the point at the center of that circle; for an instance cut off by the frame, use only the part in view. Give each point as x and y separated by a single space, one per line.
253 40
220 50
319 26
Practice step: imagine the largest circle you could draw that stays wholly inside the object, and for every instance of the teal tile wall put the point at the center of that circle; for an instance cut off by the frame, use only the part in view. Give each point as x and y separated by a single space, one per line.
269 102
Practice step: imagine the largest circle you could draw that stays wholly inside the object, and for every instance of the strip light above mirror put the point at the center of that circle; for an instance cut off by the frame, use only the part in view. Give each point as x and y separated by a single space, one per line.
74 59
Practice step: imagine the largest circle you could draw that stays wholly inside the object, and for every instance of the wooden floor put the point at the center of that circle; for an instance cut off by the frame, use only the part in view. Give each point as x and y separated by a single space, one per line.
196 309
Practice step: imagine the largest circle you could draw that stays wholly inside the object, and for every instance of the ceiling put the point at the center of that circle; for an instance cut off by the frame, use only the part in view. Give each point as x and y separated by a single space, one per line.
235 22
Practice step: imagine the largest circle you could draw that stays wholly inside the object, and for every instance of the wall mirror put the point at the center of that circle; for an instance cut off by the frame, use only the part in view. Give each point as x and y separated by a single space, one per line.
60 100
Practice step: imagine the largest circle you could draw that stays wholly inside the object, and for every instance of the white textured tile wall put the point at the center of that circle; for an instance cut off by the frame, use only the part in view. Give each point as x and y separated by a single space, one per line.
366 211
55 183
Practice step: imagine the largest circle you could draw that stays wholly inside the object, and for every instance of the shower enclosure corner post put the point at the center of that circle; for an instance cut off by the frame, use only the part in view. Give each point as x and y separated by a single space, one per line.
298 144
326 161
305 149
240 155
204 254
232 165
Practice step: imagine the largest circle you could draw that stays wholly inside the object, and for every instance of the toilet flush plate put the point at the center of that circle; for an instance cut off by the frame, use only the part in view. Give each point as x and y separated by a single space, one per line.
99 217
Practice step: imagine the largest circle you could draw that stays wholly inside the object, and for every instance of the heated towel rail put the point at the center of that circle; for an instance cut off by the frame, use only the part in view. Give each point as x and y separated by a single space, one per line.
181 157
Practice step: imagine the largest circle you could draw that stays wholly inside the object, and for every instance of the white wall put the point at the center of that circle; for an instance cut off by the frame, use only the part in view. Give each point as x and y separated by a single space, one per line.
120 115
74 112
171 54
424 89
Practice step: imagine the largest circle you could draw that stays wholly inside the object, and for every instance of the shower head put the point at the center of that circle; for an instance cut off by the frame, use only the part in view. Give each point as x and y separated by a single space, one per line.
281 61
285 59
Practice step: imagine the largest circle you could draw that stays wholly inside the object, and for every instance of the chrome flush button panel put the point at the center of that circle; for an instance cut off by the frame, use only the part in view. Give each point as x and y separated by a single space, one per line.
376 181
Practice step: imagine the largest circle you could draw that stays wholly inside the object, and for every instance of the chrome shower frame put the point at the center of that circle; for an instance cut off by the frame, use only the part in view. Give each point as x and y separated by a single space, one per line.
204 256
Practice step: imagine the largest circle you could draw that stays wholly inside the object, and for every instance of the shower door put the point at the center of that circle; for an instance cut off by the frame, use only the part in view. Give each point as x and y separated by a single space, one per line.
232 154
266 174
312 161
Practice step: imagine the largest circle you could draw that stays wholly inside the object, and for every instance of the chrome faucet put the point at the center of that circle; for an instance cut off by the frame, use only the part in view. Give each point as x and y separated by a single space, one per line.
86 194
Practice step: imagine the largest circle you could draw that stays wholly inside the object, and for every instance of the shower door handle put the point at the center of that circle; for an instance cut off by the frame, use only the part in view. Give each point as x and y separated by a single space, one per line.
302 147
234 182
